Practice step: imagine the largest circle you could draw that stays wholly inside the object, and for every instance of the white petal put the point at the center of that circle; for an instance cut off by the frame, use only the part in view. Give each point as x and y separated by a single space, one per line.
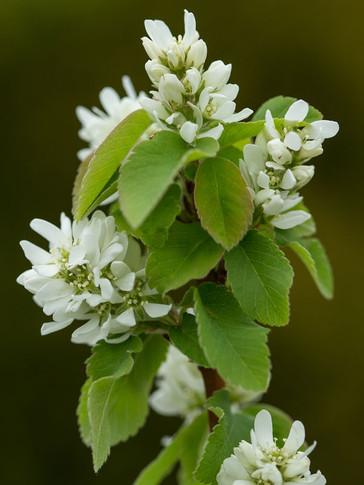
214 133
263 180
127 318
241 115
158 32
230 91
110 100
190 28
290 219
126 283
293 141
188 131
46 270
35 254
269 124
263 195
297 111
49 231
264 429
56 288
225 111
295 439
86 116
327 128
77 255
254 158
51 327
128 87
106 288
156 310
288 180
274 206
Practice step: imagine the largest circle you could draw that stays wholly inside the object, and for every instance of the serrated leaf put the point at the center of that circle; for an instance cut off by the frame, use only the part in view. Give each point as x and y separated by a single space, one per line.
152 168
189 253
82 414
118 406
223 201
235 132
185 338
112 359
281 421
107 159
313 255
231 341
231 429
260 277
184 447
154 230
279 105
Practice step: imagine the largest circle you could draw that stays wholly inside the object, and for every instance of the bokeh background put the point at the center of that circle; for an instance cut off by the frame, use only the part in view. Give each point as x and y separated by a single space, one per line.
56 54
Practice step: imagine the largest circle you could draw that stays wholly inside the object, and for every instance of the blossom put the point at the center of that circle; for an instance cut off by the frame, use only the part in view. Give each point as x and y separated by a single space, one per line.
274 167
263 462
181 390
96 124
85 276
188 99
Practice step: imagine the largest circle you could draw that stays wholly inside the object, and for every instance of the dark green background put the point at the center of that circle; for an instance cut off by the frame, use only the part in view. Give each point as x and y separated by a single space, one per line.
56 54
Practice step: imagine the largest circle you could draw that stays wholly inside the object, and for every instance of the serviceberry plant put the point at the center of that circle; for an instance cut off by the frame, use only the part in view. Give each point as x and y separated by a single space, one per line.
179 273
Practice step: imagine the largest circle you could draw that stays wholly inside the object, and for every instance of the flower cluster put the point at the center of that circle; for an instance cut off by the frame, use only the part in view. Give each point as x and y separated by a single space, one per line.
188 98
181 390
263 462
85 276
96 125
275 166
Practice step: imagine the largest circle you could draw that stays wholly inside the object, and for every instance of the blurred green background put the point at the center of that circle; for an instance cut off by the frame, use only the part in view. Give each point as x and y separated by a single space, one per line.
56 54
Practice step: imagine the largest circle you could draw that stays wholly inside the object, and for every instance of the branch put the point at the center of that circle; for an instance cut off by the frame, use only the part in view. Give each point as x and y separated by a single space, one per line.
213 382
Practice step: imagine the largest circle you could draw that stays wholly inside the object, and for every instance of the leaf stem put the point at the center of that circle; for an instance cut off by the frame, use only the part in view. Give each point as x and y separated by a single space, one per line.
213 382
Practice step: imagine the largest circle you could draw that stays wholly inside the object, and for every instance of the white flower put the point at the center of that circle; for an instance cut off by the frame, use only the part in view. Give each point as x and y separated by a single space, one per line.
181 391
295 140
273 187
188 99
263 462
84 276
96 124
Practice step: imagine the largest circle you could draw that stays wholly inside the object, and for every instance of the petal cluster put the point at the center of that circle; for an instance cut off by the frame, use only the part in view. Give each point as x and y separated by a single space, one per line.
84 276
187 98
181 390
263 462
275 166
97 124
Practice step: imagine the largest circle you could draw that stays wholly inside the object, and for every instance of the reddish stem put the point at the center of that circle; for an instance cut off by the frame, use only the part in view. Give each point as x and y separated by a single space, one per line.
213 382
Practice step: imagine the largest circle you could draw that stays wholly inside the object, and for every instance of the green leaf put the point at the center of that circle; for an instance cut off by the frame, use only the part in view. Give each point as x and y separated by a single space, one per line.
279 105
151 169
260 277
185 338
313 255
231 153
189 253
154 230
232 343
82 414
281 421
223 201
112 359
231 429
235 132
183 447
118 405
107 159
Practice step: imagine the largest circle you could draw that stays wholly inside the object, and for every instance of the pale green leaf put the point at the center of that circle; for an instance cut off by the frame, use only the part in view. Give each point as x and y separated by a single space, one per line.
260 277
223 201
185 338
184 448
231 429
82 414
232 343
235 132
279 105
232 153
151 169
112 359
189 253
118 405
313 255
154 230
107 159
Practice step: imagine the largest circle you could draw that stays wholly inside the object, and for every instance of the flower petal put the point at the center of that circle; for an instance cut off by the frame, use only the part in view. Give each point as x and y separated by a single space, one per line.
156 310
264 429
297 111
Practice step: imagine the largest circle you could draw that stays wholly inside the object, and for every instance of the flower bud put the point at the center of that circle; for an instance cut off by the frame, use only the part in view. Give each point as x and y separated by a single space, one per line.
151 48
197 54
192 80
176 57
303 174
171 88
155 70
279 152
217 75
